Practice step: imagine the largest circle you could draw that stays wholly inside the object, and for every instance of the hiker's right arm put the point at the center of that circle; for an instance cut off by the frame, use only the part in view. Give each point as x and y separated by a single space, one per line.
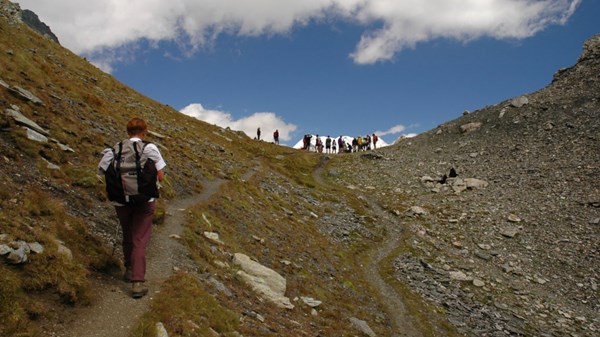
107 156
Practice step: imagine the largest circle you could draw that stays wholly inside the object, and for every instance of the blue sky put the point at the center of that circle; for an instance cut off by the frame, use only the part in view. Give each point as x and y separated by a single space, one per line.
334 67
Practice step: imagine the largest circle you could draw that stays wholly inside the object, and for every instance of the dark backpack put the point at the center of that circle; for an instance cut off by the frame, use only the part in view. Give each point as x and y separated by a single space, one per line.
131 176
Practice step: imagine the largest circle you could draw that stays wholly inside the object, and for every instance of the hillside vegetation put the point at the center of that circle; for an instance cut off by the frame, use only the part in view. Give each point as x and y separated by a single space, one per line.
51 195
373 238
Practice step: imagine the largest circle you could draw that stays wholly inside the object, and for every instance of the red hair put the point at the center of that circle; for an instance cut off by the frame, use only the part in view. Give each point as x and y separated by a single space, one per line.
136 126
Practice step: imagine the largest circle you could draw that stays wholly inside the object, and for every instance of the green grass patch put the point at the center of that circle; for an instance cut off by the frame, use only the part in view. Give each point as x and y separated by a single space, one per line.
185 308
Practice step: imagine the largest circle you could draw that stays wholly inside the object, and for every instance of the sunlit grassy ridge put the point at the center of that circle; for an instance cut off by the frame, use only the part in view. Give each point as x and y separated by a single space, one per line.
271 216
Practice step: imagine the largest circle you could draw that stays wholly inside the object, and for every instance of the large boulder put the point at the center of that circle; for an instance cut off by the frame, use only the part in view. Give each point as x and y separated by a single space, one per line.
264 281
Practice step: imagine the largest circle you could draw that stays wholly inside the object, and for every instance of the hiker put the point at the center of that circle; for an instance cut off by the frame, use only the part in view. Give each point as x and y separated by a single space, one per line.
341 144
328 145
306 142
258 134
319 145
276 136
375 139
135 218
333 146
354 145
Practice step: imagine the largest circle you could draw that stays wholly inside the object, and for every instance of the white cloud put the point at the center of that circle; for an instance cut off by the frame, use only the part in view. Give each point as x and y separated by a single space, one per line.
268 122
89 27
391 131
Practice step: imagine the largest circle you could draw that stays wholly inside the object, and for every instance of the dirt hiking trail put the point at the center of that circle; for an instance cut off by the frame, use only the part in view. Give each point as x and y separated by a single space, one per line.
115 313
402 323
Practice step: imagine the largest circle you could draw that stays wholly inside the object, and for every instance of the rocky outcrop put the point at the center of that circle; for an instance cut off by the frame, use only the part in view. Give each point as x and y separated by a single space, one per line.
33 21
265 281
15 15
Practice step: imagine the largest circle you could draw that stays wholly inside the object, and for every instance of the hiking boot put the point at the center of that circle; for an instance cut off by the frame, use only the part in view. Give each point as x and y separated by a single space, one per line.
128 274
138 290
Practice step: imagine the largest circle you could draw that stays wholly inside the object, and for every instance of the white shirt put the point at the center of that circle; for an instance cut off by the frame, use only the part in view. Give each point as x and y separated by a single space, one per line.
150 150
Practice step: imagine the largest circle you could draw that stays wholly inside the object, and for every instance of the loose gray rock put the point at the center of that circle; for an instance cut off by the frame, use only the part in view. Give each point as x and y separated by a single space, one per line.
22 120
519 101
5 249
509 232
416 211
25 95
18 255
311 302
265 281
459 276
160 330
362 326
64 250
513 218
36 247
470 127
473 183
35 136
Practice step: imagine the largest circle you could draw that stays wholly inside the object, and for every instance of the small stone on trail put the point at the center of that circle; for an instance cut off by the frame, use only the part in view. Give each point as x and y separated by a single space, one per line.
513 218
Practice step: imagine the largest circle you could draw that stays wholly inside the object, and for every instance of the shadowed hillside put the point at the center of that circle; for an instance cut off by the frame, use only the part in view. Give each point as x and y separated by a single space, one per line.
367 244
512 244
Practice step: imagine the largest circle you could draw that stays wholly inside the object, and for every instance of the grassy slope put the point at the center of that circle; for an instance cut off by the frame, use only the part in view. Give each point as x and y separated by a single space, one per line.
87 109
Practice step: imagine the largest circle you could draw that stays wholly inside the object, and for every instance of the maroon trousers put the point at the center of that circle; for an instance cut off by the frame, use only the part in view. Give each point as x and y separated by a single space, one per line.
136 222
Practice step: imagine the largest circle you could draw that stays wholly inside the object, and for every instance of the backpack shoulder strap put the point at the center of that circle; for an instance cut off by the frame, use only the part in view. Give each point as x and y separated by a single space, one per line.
118 156
138 165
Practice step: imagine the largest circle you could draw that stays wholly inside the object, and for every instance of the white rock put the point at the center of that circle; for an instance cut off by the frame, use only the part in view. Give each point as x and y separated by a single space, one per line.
160 330
311 302
513 218
36 247
474 183
35 136
416 210
64 250
459 276
265 281
470 127
5 249
478 283
213 237
519 101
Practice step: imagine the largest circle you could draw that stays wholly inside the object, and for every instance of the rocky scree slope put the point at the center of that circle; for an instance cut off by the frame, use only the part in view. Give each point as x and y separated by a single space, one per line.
516 251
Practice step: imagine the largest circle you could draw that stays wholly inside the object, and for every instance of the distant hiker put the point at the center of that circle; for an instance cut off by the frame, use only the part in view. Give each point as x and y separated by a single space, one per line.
328 145
258 134
453 173
132 170
306 142
354 144
360 143
341 144
276 136
333 146
319 145
368 142
375 139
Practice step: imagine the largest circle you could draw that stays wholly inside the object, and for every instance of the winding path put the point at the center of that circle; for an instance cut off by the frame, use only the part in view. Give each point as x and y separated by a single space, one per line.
402 322
115 313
